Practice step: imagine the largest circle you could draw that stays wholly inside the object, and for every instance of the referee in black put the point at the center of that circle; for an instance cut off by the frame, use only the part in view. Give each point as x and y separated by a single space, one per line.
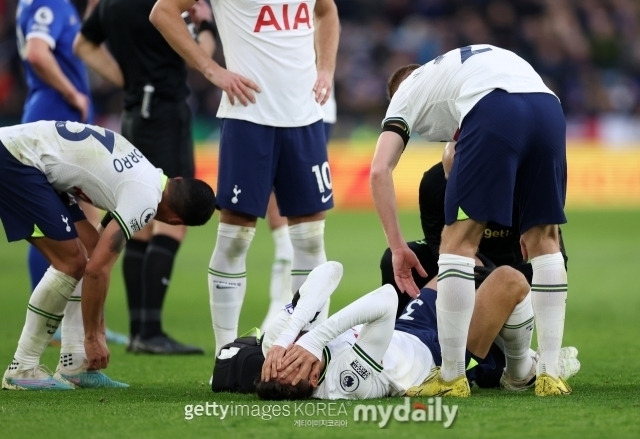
119 43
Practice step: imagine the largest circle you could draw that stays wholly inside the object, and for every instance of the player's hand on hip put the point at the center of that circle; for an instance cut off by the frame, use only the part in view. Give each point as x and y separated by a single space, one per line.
238 87
297 358
97 352
403 260
272 363
322 87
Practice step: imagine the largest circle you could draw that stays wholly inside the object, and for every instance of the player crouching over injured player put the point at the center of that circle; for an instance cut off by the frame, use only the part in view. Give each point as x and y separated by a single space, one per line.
338 359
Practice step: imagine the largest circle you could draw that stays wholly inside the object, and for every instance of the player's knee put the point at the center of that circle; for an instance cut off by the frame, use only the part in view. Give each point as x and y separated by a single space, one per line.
515 283
389 295
72 264
234 241
540 240
308 237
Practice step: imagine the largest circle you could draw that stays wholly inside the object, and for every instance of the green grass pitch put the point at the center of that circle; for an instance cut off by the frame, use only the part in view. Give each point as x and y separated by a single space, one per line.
602 321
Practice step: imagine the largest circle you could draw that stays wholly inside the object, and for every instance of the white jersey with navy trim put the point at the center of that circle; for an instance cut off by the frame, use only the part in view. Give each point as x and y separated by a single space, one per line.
270 42
93 164
351 374
435 98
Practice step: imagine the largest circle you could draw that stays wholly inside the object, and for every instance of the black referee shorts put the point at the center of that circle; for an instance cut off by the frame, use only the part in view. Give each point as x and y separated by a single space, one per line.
165 138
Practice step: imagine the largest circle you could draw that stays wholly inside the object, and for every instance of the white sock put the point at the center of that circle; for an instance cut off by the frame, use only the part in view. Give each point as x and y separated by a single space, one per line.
307 240
454 307
228 280
280 292
44 313
72 354
516 335
549 297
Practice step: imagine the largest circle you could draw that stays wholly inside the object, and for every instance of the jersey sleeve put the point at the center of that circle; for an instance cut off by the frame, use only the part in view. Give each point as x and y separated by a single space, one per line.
46 22
399 112
137 205
376 310
92 28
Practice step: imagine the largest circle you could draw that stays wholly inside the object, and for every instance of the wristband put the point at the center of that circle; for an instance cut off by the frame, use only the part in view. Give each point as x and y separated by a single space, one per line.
207 25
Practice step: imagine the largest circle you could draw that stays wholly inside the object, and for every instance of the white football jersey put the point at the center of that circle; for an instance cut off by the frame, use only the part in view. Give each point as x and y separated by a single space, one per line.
435 98
93 164
350 374
330 109
270 42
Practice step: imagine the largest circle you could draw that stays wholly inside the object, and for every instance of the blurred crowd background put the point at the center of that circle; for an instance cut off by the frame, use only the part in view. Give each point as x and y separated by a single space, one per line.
588 52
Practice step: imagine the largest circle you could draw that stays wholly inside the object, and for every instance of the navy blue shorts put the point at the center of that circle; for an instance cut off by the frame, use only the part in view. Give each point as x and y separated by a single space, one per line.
510 162
27 201
419 319
256 159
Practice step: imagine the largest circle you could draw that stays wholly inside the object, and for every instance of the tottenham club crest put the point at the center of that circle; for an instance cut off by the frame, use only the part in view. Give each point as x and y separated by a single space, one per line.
349 381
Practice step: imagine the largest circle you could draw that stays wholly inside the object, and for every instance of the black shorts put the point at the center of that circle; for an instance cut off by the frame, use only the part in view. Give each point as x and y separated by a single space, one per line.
164 138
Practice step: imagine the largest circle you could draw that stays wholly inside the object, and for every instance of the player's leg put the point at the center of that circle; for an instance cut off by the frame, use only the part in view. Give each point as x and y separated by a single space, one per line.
156 270
480 187
548 295
44 314
73 365
541 185
166 141
280 286
420 319
244 186
304 192
73 360
503 307
132 273
456 295
30 209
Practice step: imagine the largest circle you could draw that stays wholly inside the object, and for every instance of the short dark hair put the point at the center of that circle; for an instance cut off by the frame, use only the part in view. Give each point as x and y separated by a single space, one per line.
192 200
397 77
277 391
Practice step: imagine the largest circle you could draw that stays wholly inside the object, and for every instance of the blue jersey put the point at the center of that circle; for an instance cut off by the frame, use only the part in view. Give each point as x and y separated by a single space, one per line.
57 22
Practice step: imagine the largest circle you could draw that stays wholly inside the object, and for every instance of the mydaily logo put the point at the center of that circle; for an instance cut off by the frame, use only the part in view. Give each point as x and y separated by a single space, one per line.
433 411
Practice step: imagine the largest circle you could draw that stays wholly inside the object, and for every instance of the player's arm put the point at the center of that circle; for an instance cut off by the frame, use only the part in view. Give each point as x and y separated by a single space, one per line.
389 148
377 310
307 303
166 17
202 18
39 56
99 59
89 46
327 36
94 292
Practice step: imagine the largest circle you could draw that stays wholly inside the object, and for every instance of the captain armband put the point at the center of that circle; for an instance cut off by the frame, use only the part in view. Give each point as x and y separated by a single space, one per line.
399 131
106 220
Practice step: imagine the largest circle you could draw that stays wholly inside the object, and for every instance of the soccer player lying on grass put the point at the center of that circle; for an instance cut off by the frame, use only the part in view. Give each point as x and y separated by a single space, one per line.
389 356
40 164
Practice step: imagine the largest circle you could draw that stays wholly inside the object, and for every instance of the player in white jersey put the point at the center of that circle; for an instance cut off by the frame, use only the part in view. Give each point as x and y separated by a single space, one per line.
280 59
510 159
362 351
44 167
